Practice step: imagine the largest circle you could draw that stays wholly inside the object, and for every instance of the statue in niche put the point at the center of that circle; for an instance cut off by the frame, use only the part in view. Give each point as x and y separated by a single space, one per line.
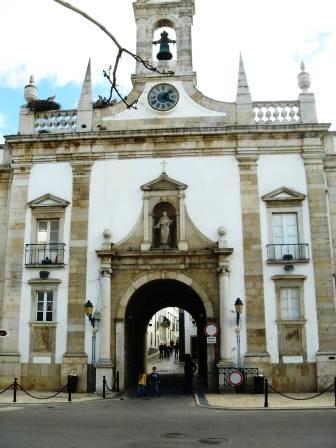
164 224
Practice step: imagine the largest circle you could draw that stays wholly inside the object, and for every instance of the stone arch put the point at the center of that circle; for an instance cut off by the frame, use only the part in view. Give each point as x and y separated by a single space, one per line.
173 21
183 278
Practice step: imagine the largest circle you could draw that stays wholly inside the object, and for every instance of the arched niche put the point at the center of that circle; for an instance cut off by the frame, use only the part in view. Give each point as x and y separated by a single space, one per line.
164 194
164 235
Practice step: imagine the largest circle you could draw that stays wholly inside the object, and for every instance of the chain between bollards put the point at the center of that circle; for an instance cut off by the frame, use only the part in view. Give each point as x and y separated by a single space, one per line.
266 393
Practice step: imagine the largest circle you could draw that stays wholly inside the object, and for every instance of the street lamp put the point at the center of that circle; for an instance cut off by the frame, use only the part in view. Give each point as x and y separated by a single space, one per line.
239 308
88 308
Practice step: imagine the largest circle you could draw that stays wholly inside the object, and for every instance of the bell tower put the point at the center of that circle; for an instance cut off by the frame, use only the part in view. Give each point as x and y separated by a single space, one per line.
177 17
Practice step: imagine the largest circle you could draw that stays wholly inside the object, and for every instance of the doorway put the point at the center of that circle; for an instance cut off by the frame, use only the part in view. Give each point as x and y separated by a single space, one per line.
147 301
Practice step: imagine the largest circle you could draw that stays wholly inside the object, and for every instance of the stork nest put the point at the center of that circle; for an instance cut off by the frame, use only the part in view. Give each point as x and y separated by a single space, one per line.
43 105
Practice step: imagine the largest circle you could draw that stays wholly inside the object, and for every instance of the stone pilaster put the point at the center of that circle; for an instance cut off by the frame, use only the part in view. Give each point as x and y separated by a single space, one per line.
330 170
75 358
253 270
323 261
182 243
104 364
9 346
225 316
5 179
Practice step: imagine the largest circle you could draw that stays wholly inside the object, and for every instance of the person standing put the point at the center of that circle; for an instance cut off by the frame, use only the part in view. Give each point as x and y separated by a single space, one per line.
154 382
189 370
176 349
142 385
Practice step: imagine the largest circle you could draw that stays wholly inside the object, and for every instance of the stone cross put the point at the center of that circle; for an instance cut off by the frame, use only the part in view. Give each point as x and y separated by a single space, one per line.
163 163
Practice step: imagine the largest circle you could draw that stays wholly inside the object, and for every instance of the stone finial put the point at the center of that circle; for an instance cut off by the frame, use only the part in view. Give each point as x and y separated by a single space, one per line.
107 243
107 234
243 87
221 231
245 114
304 79
86 94
30 90
85 105
222 243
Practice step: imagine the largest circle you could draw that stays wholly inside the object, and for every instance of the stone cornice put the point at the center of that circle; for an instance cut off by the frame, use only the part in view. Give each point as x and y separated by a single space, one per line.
115 255
84 148
254 131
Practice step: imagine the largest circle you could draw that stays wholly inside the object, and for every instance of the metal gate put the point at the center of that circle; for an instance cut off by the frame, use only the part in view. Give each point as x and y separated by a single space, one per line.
247 386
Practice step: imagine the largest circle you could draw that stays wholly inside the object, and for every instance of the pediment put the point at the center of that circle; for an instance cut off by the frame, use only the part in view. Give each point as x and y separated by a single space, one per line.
163 182
283 195
48 200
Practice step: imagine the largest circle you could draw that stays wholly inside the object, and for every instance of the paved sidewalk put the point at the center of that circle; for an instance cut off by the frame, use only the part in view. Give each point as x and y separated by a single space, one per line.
22 398
275 401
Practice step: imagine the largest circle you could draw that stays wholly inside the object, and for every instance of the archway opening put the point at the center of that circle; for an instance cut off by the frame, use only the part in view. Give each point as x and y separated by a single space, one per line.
146 302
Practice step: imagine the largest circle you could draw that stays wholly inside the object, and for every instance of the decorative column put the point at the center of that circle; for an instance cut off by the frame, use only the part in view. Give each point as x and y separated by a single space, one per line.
146 245
75 358
5 180
225 316
256 355
104 363
322 259
13 265
182 243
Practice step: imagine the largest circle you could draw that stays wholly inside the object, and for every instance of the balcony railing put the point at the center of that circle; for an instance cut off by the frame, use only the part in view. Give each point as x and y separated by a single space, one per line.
287 253
50 254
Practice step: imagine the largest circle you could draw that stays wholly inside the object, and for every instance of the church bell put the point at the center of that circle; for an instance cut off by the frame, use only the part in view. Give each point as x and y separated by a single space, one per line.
164 54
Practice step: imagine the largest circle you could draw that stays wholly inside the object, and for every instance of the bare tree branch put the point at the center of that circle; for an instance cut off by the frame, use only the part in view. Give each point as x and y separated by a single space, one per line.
121 50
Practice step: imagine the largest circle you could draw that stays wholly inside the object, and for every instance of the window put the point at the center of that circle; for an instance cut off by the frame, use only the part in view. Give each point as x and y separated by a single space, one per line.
44 307
285 230
285 226
289 296
290 303
47 231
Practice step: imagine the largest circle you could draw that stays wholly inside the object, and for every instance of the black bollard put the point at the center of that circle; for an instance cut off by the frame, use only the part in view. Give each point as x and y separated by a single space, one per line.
118 390
15 389
104 381
266 394
335 389
69 394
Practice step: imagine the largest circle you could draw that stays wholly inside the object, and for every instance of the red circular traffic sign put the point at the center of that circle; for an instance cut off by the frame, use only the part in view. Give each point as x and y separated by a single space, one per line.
236 378
211 329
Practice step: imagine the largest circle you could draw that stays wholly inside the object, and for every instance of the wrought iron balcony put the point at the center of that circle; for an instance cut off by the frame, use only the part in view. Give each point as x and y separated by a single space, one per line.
287 253
50 254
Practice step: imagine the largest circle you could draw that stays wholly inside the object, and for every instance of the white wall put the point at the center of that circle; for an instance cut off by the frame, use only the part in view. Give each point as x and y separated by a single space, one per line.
189 330
57 180
212 200
275 171
185 107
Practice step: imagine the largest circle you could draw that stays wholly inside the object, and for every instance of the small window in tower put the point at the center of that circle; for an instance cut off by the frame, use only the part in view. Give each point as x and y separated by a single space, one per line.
164 42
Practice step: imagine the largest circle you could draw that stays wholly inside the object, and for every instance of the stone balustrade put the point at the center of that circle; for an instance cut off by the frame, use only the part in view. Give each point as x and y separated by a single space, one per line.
56 121
279 112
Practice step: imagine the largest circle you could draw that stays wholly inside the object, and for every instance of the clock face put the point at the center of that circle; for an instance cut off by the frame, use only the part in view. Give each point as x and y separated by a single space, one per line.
163 97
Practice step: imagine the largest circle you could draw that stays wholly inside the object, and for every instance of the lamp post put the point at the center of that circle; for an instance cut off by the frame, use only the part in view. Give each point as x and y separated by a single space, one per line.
88 308
239 308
